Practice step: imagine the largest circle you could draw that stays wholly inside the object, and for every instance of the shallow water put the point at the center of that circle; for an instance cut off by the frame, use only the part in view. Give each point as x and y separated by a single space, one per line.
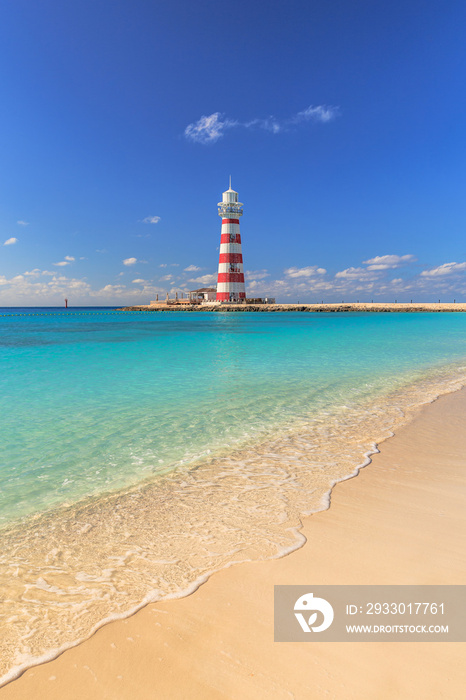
141 452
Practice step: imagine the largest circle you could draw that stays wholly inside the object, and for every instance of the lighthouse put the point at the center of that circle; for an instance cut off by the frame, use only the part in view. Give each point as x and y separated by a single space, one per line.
230 280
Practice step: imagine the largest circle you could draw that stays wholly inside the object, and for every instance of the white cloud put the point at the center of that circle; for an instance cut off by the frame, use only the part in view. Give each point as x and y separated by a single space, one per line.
387 262
445 269
68 259
321 113
11 241
29 289
43 288
114 294
151 220
191 268
205 279
356 273
130 261
372 275
36 272
381 266
254 275
23 223
209 129
113 289
269 124
291 288
36 287
163 265
305 271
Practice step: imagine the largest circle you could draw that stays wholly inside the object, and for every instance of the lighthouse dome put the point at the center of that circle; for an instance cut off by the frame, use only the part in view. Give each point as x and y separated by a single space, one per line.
230 195
229 204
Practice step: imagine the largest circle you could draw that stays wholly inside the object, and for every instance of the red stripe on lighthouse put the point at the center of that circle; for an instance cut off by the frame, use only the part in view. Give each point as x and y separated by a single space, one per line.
230 238
230 277
230 221
230 258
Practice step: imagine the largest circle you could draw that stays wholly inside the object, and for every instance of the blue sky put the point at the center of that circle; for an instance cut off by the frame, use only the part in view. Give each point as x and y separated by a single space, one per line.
342 124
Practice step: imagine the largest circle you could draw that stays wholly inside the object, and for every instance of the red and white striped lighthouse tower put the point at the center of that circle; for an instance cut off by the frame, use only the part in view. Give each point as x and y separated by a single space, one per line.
230 281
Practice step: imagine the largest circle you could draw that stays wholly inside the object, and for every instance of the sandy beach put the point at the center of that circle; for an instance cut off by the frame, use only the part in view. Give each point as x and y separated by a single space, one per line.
400 521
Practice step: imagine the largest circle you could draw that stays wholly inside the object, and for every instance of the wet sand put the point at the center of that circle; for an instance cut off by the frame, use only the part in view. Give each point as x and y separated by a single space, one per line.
401 521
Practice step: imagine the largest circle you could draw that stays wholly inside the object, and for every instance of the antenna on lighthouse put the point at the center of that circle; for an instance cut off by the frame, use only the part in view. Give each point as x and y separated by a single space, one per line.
230 183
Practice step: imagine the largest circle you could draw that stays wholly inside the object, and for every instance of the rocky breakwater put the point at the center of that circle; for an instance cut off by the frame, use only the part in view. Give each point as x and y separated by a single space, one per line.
319 308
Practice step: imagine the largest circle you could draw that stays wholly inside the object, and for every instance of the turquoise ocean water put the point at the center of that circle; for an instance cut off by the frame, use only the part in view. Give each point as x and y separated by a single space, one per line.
93 400
176 410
